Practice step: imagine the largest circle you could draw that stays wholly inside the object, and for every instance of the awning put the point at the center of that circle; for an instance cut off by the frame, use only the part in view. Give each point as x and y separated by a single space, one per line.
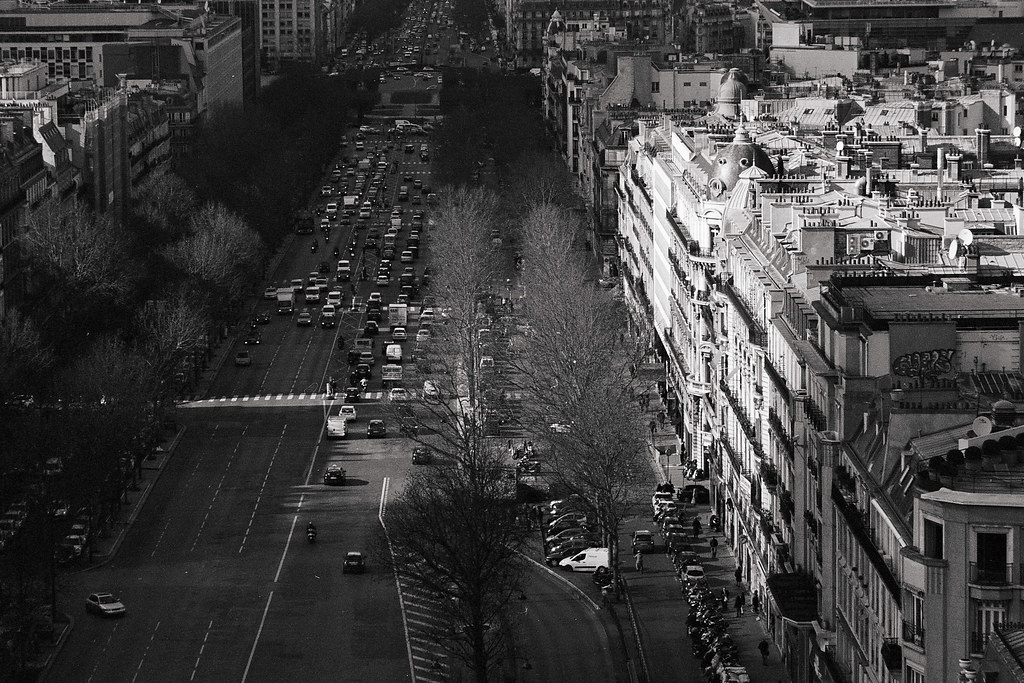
795 596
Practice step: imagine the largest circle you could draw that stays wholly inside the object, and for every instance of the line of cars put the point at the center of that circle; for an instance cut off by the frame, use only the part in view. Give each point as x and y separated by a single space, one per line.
571 539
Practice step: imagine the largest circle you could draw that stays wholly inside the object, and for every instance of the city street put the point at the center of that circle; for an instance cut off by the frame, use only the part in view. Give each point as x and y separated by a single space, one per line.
218 578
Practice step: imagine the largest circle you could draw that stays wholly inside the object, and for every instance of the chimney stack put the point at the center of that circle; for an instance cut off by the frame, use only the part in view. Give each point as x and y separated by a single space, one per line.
983 138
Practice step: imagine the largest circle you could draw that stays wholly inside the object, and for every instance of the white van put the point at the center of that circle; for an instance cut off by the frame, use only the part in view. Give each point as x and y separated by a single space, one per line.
365 210
312 295
393 353
586 560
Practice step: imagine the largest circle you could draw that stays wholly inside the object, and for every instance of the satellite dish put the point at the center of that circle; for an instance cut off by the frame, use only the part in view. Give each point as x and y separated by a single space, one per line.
840 146
966 236
982 426
954 249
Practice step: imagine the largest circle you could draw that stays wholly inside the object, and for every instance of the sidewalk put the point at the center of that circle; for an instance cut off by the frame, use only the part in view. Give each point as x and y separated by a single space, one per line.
659 600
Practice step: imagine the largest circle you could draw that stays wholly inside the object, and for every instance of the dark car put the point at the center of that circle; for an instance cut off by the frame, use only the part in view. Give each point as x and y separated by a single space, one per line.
354 563
695 494
371 328
263 318
559 552
334 475
643 541
352 394
254 337
376 429
421 455
353 356
361 371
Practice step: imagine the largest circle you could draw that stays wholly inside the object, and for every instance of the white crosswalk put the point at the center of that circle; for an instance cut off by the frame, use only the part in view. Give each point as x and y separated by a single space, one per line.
275 400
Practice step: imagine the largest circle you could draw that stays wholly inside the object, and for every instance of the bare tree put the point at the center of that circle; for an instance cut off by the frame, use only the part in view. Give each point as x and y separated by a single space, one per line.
220 251
456 536
576 372
81 251
23 356
163 204
169 331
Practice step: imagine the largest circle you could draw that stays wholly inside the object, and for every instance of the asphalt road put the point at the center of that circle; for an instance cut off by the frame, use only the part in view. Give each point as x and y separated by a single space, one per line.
218 578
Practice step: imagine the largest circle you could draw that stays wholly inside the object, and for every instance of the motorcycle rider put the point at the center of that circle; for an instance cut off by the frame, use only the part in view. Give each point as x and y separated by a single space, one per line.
311 530
314 246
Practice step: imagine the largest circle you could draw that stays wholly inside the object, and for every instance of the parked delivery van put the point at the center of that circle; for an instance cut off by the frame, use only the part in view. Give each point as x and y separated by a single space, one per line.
586 560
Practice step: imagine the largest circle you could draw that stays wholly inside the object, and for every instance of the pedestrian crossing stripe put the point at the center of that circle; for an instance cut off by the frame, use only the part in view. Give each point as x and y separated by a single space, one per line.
275 399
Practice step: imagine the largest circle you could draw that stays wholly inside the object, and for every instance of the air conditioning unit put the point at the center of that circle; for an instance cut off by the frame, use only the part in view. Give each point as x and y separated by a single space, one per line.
867 243
881 235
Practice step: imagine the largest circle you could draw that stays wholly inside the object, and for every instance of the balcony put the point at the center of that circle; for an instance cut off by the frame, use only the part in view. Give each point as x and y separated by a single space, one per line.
777 379
681 232
815 415
787 441
978 642
856 521
992 574
757 334
892 654
913 634
742 418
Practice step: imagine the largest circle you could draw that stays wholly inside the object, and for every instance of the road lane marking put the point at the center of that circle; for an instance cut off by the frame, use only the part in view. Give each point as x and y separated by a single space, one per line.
145 652
381 509
227 467
263 486
103 650
291 532
256 641
201 649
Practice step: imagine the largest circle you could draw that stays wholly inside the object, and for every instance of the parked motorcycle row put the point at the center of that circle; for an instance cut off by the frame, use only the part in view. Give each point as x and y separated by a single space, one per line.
709 635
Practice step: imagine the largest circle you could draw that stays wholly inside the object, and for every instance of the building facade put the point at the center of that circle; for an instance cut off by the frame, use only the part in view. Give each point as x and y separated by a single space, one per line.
794 287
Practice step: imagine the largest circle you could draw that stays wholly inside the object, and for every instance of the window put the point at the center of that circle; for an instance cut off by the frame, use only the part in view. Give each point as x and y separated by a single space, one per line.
808 112
990 555
933 539
913 675
655 86
987 614
687 84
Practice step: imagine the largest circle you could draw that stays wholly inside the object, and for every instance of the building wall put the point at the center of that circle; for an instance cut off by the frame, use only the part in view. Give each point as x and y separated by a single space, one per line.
808 62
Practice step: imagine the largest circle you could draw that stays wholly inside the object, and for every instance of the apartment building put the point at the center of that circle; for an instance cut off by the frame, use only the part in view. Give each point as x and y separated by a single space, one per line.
823 310
294 31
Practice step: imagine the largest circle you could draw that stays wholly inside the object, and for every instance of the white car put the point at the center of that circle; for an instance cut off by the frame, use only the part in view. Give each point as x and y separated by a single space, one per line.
399 334
105 605
398 394
348 412
423 336
693 574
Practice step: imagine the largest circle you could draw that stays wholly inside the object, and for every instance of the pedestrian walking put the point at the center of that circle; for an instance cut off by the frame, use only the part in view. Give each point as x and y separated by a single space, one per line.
725 598
738 604
714 547
661 418
639 561
755 602
765 649
653 427
696 527
738 574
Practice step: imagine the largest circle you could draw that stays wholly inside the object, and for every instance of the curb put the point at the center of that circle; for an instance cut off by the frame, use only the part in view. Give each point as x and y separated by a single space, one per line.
137 508
57 647
636 630
573 588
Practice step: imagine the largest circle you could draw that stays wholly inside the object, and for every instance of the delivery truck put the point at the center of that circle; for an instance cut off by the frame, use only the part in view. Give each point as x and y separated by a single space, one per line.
285 301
